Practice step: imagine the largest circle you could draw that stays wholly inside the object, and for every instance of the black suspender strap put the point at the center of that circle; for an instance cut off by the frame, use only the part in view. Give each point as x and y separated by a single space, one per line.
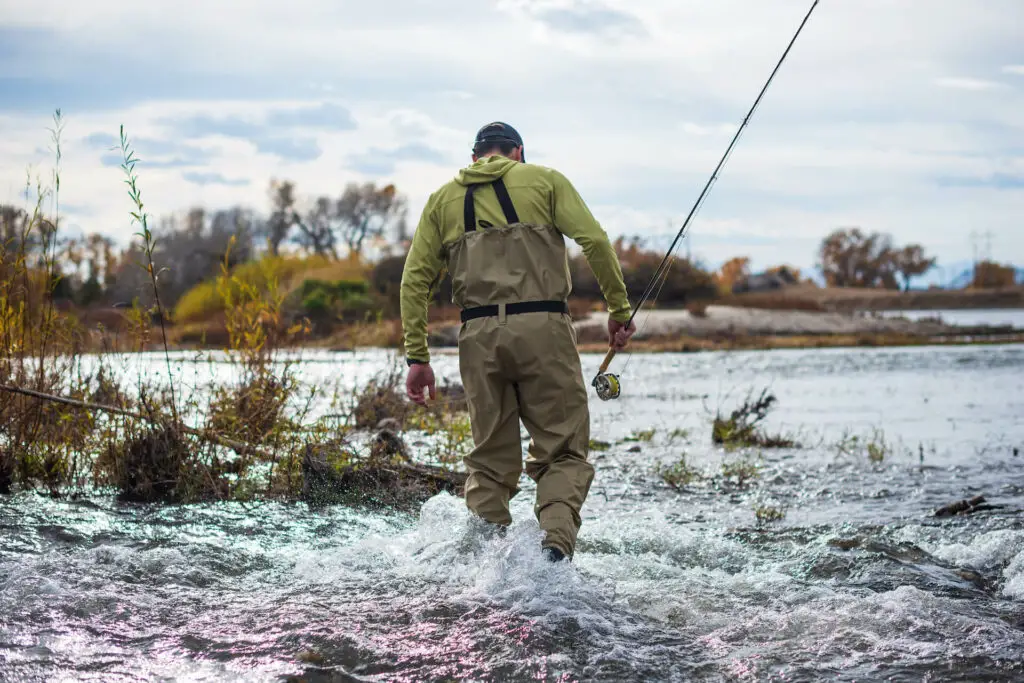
506 202
469 208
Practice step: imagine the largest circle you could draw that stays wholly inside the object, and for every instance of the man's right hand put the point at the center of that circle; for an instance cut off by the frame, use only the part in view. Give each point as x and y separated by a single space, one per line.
420 377
619 334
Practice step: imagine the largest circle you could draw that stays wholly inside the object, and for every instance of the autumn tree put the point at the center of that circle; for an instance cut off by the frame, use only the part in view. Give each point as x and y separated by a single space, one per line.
731 272
852 258
683 281
988 274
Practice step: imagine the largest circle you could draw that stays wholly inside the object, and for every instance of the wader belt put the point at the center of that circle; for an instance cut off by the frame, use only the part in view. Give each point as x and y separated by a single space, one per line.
511 217
512 309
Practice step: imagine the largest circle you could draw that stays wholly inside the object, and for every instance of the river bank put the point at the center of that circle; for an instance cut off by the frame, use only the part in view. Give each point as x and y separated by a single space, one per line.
732 327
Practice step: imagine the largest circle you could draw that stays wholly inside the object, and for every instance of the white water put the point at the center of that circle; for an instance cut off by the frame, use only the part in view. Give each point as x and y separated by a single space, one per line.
858 582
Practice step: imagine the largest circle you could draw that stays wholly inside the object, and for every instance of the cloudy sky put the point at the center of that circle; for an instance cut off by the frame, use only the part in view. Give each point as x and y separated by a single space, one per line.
902 116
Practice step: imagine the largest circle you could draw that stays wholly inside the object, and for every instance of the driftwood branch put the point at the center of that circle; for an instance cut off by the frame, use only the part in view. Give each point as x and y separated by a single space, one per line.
237 446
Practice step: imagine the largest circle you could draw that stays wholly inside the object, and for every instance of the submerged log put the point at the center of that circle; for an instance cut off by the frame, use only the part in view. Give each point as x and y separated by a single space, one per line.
964 507
386 479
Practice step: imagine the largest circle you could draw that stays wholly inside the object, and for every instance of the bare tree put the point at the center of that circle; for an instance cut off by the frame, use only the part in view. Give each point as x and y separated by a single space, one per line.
282 215
317 230
190 254
363 212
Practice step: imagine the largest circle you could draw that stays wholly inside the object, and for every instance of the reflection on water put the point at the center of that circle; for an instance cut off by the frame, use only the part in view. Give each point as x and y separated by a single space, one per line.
857 582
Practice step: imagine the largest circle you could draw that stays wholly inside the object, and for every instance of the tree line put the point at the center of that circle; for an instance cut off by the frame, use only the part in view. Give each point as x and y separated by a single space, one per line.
370 222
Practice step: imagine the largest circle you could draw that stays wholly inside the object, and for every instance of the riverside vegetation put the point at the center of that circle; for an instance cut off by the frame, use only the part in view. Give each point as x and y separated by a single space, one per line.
70 423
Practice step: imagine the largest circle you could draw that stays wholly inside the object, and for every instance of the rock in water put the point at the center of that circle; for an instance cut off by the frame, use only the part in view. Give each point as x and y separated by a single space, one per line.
961 507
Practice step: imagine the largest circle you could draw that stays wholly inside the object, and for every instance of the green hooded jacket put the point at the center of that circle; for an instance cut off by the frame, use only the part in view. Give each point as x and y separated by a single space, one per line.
541 196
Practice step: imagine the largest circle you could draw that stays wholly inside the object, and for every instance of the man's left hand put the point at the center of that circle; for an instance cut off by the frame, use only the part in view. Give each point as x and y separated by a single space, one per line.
420 377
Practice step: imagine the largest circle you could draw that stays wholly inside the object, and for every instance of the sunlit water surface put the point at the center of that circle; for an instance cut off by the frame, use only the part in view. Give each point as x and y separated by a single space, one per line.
857 582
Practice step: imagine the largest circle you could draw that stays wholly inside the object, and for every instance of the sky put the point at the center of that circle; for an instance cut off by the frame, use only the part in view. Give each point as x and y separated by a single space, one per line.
900 116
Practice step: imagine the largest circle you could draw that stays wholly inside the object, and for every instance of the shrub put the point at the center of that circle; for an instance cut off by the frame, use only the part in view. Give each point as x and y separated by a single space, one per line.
741 428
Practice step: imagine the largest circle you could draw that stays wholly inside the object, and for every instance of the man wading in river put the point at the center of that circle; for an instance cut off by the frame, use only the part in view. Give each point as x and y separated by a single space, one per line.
498 227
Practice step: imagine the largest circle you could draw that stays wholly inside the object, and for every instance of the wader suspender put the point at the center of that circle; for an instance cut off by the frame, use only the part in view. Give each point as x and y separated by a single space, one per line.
469 211
503 198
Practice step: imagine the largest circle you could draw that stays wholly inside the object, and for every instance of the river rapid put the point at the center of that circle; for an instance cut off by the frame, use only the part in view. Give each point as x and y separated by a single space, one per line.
858 580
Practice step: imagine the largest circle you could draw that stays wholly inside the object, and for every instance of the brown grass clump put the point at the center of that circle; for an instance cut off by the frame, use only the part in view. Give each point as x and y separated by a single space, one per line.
249 412
379 402
150 466
741 428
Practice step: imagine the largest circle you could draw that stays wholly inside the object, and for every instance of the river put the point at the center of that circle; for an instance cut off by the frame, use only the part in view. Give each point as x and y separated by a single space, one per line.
858 581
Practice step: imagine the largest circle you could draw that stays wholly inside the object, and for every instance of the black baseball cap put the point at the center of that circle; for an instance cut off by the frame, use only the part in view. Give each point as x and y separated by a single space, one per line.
498 132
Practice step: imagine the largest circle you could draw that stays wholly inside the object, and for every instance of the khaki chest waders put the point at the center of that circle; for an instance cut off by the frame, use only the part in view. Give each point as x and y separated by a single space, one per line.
518 361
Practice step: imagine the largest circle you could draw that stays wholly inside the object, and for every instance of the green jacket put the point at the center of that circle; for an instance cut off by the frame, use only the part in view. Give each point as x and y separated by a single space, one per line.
541 196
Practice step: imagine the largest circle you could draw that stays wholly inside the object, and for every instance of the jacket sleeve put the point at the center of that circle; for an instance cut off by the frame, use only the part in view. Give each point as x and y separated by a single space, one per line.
574 219
422 268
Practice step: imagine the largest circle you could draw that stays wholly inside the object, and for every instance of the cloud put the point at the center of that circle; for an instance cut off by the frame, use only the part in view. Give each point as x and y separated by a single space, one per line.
696 129
377 161
116 161
1017 69
78 210
271 133
150 152
104 141
290 149
211 178
202 125
996 181
326 115
966 83
588 17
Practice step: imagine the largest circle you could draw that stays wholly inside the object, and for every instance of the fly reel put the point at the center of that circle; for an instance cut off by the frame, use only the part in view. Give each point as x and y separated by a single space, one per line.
605 383
607 386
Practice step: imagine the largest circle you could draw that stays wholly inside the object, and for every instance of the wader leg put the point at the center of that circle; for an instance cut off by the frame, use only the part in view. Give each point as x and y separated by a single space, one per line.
496 462
554 409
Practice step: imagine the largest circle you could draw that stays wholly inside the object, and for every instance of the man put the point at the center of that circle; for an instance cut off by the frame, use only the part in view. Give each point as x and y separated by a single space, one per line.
498 227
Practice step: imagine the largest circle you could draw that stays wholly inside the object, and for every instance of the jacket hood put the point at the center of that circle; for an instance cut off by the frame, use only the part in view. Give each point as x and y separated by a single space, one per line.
485 170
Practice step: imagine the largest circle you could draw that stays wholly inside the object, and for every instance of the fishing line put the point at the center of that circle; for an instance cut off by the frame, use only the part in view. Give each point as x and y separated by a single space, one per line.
607 384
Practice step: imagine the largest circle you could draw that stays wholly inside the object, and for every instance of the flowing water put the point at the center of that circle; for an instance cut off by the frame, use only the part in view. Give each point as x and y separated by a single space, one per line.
857 582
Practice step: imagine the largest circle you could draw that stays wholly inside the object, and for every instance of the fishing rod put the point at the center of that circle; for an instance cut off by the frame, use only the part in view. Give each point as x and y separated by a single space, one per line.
607 384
